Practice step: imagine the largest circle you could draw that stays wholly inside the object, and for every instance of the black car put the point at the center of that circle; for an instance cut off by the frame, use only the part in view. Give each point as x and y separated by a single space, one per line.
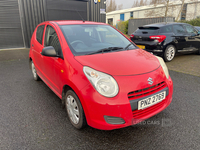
166 39
197 27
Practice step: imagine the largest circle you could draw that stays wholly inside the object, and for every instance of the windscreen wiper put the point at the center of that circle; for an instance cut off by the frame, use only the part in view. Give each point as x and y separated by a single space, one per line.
105 49
128 46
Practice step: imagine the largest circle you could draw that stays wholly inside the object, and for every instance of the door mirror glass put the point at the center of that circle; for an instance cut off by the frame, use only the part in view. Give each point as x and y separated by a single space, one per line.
49 51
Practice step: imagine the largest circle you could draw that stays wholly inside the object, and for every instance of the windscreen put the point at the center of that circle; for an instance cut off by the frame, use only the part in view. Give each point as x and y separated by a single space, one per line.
85 39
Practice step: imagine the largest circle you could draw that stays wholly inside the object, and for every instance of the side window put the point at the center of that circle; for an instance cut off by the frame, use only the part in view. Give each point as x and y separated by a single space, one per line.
178 29
39 33
51 39
190 29
166 29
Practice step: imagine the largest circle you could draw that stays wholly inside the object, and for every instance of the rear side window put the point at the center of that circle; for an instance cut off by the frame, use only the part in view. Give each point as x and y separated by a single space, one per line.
166 29
147 30
39 33
178 29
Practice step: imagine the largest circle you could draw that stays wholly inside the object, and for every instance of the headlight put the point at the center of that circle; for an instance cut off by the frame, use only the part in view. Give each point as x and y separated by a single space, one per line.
103 83
165 69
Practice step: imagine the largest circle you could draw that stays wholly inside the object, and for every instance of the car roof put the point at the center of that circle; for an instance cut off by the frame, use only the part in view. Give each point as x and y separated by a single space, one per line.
161 24
70 22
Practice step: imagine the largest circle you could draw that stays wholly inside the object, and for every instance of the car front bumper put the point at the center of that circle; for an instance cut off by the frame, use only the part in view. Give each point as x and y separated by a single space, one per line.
117 112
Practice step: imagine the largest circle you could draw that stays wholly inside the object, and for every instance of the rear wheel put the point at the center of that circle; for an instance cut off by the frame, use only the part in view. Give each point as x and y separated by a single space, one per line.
34 72
74 110
198 52
169 53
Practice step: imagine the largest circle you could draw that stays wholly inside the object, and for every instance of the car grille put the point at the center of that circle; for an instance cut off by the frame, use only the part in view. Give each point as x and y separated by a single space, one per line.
146 91
139 114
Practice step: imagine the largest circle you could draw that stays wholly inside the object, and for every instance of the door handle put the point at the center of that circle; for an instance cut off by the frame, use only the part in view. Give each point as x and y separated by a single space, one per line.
32 45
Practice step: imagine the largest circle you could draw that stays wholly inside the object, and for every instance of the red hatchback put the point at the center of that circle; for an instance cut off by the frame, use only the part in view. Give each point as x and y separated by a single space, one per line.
103 79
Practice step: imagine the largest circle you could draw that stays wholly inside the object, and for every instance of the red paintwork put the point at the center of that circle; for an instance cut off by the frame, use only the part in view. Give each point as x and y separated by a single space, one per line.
131 36
121 63
131 69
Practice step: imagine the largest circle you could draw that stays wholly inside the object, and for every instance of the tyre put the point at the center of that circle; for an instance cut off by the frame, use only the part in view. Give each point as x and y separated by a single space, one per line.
169 53
198 52
34 72
74 110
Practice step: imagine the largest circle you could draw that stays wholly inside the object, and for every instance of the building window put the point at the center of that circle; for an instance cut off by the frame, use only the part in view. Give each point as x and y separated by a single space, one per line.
110 21
131 14
184 11
121 17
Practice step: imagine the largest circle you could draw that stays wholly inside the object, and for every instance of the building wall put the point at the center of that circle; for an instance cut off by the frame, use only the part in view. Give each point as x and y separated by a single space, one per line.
158 11
32 13
126 15
193 11
94 11
10 25
19 18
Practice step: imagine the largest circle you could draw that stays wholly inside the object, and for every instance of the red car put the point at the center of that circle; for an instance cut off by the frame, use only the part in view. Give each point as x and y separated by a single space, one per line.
103 79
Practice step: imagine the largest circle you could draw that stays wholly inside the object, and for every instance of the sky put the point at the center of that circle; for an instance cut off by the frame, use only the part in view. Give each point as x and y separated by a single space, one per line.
126 3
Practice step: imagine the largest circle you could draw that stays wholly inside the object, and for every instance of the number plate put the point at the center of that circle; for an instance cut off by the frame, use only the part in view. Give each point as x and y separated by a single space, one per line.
141 46
151 100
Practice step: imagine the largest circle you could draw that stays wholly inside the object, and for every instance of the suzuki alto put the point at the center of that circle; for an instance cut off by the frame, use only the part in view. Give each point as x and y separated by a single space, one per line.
104 80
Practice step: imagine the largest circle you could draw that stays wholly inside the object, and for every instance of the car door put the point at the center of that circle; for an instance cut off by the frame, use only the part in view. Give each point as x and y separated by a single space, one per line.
193 37
180 37
36 47
53 65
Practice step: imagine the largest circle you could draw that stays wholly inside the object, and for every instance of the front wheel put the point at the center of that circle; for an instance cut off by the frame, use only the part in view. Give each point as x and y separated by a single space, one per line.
169 53
74 110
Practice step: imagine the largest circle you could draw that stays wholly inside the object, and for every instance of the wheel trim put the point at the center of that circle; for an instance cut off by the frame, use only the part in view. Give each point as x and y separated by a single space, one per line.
33 70
72 109
170 53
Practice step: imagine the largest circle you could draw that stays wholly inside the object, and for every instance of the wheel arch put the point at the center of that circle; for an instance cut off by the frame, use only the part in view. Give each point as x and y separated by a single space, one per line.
30 60
65 89
171 43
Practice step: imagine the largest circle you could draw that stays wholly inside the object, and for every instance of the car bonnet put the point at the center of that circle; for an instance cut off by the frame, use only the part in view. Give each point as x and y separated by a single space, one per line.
130 62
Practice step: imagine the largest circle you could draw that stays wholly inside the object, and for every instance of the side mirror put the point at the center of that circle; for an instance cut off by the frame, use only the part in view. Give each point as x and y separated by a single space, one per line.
49 51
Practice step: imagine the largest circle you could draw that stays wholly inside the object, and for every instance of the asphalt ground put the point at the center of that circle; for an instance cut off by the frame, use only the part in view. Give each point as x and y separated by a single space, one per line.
185 63
32 117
